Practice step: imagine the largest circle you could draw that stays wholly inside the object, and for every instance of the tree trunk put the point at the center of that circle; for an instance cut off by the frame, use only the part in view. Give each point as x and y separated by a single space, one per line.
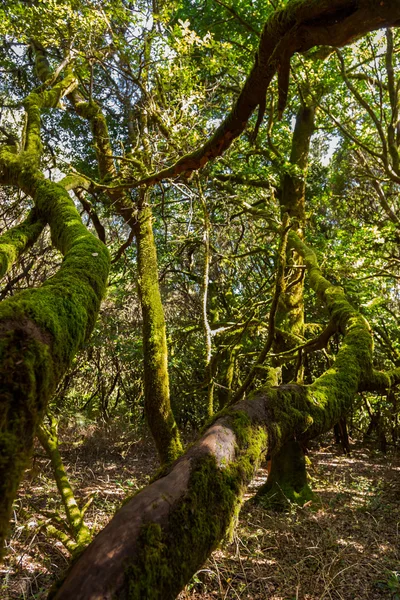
41 329
227 364
155 352
290 313
284 479
341 435
287 478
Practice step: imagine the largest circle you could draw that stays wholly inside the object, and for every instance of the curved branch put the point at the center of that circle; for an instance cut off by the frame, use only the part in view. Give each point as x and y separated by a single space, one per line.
41 329
298 27
15 241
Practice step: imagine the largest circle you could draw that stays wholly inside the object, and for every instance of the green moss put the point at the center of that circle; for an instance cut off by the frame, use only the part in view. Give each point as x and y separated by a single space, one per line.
287 481
168 557
40 332
156 380
282 497
92 112
252 444
41 329
79 535
329 396
18 239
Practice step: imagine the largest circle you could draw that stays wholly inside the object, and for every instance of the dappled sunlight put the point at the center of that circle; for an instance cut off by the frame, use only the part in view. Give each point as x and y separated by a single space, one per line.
340 547
336 549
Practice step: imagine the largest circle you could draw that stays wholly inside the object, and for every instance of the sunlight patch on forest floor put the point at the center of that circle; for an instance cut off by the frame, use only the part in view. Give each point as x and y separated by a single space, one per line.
345 548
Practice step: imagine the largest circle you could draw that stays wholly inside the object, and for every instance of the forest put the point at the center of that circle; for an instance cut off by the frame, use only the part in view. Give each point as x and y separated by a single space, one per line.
200 248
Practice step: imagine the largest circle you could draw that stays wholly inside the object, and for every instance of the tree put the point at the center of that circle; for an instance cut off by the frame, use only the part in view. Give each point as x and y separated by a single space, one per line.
161 536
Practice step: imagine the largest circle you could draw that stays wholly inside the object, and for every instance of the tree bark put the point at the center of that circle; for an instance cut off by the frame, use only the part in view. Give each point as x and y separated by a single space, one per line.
155 352
15 241
287 478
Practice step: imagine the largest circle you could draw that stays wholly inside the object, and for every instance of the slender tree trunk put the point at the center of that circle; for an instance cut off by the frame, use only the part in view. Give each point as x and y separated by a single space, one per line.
205 291
341 435
227 365
80 535
156 381
287 478
290 314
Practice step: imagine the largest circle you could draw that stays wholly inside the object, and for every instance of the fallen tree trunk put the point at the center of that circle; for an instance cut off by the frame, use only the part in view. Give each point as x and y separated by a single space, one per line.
161 536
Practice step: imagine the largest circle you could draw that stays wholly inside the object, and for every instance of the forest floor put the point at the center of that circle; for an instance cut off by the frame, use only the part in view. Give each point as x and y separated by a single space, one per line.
344 546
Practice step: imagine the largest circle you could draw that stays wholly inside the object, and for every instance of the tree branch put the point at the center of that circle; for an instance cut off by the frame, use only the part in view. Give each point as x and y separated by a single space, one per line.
296 28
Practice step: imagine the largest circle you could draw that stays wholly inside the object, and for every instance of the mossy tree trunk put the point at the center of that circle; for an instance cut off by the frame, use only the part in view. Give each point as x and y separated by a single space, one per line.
161 536
287 478
227 366
156 382
41 329
17 240
155 352
290 313
139 218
